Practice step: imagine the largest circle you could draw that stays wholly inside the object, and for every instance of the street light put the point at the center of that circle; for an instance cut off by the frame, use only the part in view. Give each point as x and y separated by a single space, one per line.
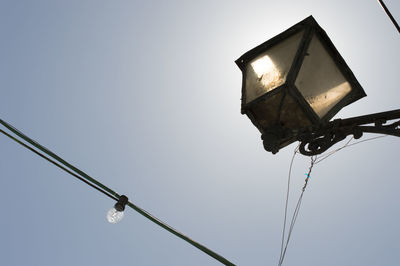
294 83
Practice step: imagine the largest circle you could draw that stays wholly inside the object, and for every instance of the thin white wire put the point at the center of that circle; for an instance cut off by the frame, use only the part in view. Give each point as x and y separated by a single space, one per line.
296 212
345 146
287 201
314 160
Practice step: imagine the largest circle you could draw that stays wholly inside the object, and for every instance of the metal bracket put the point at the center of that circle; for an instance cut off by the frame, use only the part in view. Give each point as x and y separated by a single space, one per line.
317 140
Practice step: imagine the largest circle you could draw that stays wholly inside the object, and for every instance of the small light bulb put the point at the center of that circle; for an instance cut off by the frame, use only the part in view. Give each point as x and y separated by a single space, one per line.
114 216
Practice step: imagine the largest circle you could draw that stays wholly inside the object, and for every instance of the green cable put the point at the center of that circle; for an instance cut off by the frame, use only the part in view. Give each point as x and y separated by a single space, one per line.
56 157
180 235
100 185
57 164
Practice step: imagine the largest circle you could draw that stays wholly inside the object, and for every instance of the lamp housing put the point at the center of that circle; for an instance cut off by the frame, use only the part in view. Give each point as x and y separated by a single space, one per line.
294 81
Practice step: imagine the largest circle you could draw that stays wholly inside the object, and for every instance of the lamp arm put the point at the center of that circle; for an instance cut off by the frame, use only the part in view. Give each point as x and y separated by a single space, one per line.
317 140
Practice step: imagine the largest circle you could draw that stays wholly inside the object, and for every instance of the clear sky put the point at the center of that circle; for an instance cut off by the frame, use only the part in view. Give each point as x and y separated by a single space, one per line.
145 97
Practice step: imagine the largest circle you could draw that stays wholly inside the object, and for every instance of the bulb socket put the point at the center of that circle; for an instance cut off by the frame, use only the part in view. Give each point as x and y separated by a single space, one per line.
120 205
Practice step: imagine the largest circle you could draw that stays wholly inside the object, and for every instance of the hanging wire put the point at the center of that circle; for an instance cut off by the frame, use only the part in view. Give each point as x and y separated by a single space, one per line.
389 15
358 142
296 150
296 210
180 235
62 164
57 158
314 160
323 157
58 165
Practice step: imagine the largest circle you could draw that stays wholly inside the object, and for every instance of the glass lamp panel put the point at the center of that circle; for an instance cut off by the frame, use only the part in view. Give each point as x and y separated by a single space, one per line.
265 111
269 70
267 114
292 115
320 81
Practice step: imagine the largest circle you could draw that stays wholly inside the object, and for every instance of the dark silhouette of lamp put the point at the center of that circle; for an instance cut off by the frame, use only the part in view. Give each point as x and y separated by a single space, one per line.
294 82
